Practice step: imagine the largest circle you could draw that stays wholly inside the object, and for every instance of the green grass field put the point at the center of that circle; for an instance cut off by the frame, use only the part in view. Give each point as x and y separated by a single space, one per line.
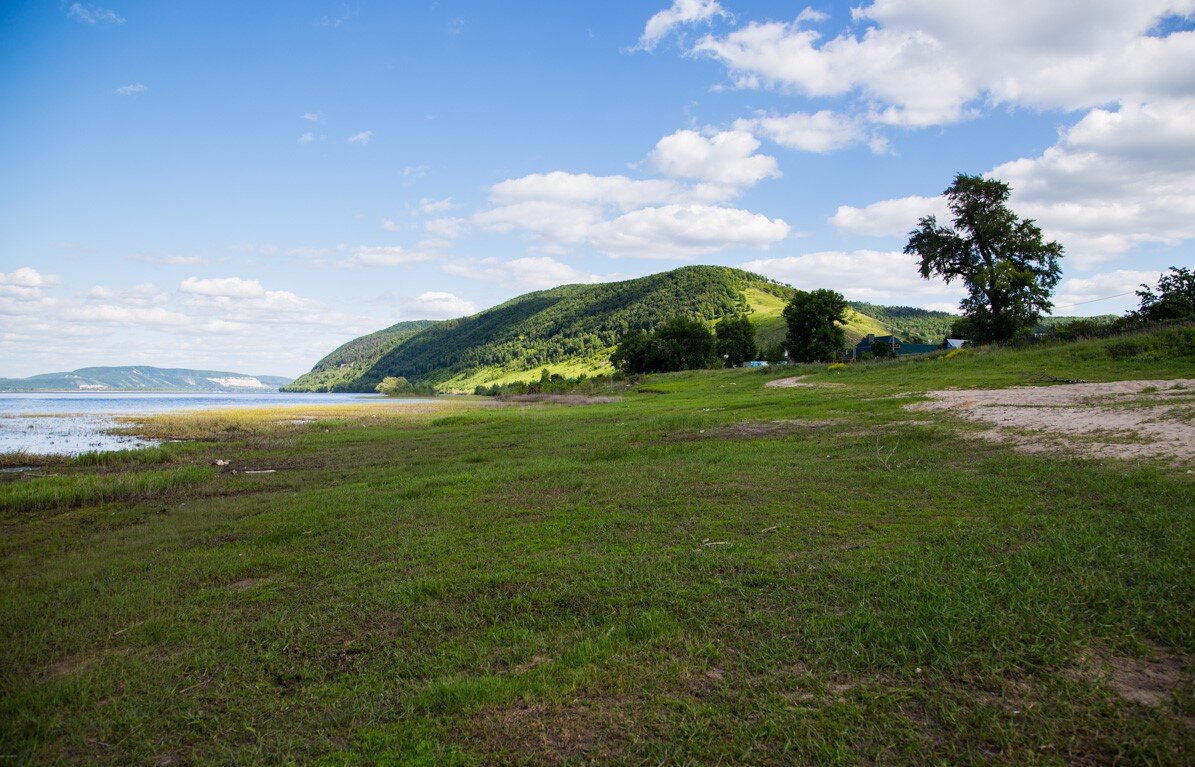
709 571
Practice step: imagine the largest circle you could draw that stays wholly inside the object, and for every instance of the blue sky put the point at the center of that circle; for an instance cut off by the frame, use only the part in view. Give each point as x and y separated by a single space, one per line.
245 186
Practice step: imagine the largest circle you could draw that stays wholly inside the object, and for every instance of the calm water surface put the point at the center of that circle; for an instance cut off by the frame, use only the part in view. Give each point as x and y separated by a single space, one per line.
75 422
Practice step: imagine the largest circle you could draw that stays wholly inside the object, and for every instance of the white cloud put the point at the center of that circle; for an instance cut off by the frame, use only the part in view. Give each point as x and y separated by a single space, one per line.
313 117
145 294
231 287
889 218
583 188
390 225
22 292
134 89
28 277
448 228
550 224
822 131
385 255
180 260
1107 293
438 305
861 275
1115 180
685 231
307 138
429 206
530 273
725 160
928 62
681 12
93 14
364 137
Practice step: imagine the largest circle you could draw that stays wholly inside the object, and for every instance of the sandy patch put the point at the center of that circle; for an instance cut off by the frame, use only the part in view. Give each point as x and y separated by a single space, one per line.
796 382
1121 419
1149 681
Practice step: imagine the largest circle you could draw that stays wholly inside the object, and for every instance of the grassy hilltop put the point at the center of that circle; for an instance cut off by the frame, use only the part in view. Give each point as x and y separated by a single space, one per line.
707 570
570 330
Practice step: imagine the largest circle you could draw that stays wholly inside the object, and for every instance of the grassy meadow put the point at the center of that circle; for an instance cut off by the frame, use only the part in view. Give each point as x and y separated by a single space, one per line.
707 571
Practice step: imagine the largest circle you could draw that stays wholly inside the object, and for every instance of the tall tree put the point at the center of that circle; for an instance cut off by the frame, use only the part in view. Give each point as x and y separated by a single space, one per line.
1009 270
691 341
814 321
736 339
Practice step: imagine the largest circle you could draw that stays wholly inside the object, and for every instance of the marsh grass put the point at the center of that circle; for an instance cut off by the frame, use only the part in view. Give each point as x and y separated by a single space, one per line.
556 584
70 490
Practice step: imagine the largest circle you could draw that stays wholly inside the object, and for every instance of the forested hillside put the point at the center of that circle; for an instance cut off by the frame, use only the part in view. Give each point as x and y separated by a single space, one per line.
349 361
909 322
569 330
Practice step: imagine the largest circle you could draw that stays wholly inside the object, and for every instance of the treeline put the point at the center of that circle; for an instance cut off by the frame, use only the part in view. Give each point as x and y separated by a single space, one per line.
550 383
685 343
1171 301
909 322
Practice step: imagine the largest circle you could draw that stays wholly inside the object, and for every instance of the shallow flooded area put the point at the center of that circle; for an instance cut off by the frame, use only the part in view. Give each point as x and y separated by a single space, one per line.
69 423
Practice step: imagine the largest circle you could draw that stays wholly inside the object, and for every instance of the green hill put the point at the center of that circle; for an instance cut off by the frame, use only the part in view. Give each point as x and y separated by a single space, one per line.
350 361
143 378
909 322
569 330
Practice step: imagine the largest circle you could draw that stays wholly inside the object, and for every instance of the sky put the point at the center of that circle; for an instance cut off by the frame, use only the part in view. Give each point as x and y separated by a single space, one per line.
245 186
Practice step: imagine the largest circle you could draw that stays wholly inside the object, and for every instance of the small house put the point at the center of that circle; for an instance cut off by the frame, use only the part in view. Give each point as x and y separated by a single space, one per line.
899 348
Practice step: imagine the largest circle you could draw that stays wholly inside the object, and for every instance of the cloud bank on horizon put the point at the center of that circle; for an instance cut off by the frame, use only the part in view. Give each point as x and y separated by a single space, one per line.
801 141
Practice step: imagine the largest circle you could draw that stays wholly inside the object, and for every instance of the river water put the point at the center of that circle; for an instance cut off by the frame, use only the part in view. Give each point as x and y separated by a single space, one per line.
65 423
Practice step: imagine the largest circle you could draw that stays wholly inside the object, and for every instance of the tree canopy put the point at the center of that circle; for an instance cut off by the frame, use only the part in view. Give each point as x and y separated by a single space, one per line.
1174 297
680 343
814 320
1009 270
736 339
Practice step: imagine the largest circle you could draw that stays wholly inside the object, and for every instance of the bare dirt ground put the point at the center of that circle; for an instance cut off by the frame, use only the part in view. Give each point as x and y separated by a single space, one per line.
796 382
1122 419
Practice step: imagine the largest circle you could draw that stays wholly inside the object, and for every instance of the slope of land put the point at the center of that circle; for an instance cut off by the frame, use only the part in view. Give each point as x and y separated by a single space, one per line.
353 359
569 330
705 571
143 378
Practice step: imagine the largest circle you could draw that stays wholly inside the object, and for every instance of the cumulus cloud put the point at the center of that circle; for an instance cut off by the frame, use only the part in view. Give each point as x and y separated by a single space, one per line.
887 218
619 215
362 138
231 287
28 277
724 160
386 255
681 12
583 188
861 275
429 206
530 273
306 138
1106 293
93 14
133 89
685 231
437 305
822 131
934 61
145 294
1115 180
448 228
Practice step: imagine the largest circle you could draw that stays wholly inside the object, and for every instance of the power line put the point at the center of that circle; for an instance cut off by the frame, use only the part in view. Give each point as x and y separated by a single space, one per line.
1094 300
